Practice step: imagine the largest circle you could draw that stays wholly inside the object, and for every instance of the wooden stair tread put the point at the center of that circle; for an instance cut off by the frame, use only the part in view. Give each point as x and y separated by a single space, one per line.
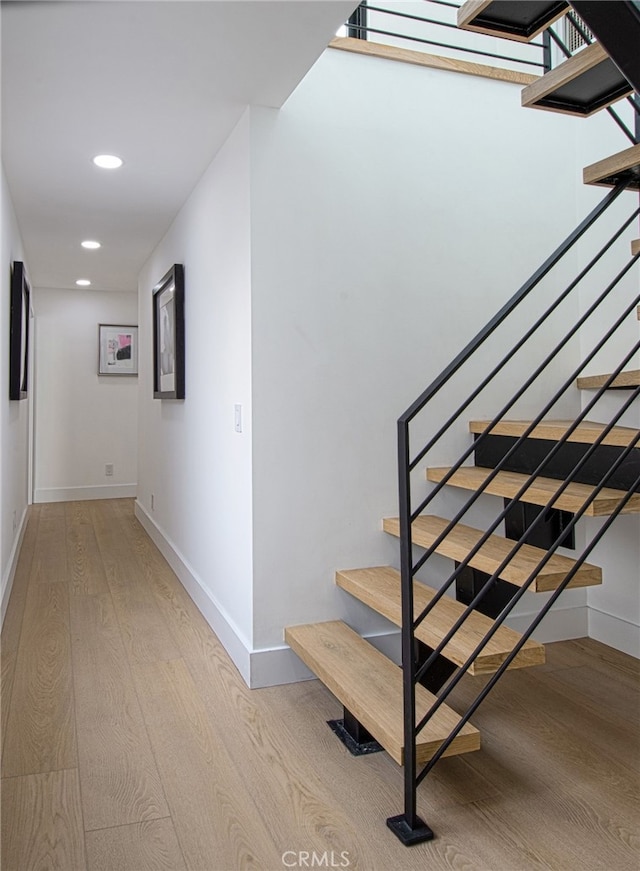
370 686
612 170
460 541
515 20
625 380
553 430
581 85
379 588
507 484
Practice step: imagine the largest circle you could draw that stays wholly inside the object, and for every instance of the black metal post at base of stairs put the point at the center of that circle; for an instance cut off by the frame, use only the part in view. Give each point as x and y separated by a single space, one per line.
407 827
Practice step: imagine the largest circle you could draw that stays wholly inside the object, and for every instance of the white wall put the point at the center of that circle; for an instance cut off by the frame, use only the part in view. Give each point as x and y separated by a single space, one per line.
193 464
394 210
614 608
14 415
338 253
82 420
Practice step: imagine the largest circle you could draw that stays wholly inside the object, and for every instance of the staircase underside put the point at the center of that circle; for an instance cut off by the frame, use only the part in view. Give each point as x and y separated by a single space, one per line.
521 20
624 166
619 32
581 85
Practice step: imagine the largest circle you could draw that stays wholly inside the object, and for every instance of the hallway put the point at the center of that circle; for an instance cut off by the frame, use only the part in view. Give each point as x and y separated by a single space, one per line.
130 743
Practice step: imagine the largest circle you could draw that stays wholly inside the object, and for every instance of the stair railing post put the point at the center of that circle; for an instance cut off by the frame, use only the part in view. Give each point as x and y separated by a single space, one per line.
408 826
546 51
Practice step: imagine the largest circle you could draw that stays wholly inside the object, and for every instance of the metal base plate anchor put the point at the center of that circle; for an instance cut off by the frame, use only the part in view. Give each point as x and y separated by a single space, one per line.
354 747
407 834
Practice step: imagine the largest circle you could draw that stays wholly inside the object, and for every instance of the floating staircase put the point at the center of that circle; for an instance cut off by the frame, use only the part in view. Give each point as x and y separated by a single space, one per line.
379 588
584 83
581 85
521 21
494 553
625 381
369 685
548 474
540 491
612 171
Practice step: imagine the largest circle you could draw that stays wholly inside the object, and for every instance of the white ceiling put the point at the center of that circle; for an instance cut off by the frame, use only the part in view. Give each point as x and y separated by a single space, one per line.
160 83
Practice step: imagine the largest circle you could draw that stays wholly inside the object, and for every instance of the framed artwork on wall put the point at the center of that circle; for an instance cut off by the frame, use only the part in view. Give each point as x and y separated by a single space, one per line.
118 349
168 335
19 333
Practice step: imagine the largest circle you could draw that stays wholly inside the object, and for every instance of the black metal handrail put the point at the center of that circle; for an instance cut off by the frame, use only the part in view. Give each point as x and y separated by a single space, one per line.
549 604
481 337
408 463
566 482
526 434
359 27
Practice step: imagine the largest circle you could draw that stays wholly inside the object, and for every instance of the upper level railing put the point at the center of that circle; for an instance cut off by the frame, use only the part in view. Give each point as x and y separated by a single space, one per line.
431 25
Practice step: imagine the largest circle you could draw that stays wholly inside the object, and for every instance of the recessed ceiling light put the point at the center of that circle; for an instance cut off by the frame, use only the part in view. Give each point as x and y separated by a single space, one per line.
83 282
107 161
90 243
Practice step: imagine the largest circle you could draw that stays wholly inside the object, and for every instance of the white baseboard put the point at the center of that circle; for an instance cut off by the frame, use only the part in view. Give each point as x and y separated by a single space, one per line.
262 667
228 634
80 494
10 572
614 631
560 624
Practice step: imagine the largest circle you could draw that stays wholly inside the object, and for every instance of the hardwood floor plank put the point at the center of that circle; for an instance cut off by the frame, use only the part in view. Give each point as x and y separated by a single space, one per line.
251 774
616 702
85 566
189 629
50 556
42 823
146 635
575 751
216 821
41 729
120 782
597 656
370 787
15 609
298 810
12 626
149 846
598 842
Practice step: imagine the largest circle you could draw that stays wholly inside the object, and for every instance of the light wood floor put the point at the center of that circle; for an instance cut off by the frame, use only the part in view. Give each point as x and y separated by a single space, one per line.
130 743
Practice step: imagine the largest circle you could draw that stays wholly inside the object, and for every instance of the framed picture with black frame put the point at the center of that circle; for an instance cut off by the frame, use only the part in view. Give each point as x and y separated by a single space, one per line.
19 332
168 335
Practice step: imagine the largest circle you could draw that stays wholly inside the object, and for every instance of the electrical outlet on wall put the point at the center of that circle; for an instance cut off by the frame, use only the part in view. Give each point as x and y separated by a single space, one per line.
108 469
